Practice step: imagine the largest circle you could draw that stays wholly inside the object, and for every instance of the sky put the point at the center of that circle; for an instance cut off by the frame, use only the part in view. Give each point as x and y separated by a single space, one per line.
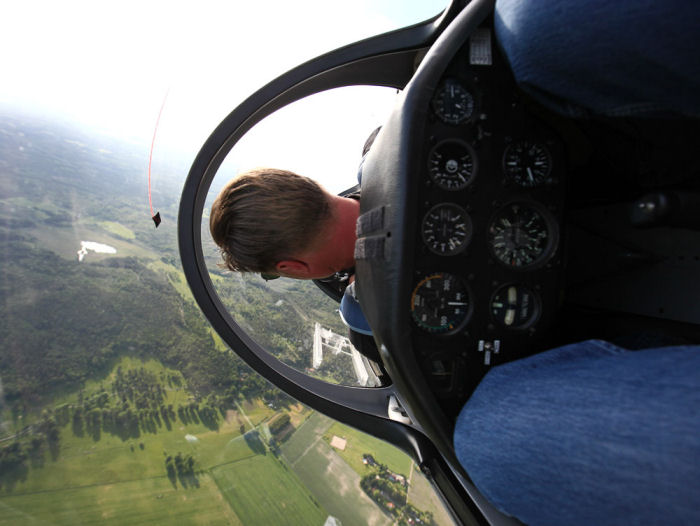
109 65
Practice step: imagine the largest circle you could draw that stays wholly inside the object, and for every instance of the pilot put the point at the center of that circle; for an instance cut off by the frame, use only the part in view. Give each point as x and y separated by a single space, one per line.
278 223
305 232
589 433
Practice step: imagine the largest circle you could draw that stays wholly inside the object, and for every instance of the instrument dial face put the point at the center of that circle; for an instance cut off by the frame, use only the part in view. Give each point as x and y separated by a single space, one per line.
446 229
441 303
453 103
527 163
515 306
522 236
452 164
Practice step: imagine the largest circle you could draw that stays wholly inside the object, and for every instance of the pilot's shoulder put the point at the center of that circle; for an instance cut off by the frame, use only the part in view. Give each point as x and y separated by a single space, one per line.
351 312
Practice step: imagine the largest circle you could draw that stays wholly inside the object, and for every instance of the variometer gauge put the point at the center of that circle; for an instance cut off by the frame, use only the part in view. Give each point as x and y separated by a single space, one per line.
452 164
453 103
522 235
527 163
441 303
446 229
515 306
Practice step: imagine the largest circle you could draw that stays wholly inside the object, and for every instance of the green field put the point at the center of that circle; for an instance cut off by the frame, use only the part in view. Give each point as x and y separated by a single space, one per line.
125 481
256 411
308 432
359 443
84 461
66 242
422 495
118 229
147 501
262 490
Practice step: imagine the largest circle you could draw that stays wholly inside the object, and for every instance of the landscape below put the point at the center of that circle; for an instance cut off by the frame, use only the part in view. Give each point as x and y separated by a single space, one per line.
117 400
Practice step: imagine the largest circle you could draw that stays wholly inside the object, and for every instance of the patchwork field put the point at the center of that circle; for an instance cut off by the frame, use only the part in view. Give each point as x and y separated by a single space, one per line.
311 430
359 443
337 487
262 490
105 478
420 492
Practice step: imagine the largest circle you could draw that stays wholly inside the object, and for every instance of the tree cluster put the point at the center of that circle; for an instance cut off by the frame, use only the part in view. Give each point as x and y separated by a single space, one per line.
28 449
389 491
277 424
181 468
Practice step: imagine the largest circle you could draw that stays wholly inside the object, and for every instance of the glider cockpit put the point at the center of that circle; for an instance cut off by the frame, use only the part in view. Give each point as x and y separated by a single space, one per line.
491 229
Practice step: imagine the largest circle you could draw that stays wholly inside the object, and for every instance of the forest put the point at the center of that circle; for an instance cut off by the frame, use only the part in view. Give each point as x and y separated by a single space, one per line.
64 323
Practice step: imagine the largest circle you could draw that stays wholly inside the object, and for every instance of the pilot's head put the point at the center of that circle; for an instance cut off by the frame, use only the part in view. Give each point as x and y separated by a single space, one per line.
279 223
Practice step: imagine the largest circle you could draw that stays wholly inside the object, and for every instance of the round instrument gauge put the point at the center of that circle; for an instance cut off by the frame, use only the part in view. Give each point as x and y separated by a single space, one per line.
452 164
527 163
446 229
453 103
515 306
522 235
441 303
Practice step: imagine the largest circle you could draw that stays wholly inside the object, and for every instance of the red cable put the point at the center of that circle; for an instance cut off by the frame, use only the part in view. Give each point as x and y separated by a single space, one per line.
150 156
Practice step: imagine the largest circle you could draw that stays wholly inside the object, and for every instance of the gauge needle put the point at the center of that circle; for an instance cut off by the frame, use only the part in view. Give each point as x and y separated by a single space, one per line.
460 303
529 174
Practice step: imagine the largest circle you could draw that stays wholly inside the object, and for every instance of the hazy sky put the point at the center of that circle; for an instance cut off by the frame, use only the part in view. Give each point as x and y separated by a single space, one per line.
109 65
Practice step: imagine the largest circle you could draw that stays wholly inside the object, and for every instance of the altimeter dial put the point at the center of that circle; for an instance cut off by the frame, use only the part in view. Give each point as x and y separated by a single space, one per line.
527 163
522 235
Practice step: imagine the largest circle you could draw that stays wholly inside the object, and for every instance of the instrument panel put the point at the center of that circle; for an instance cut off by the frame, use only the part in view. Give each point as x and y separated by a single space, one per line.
490 198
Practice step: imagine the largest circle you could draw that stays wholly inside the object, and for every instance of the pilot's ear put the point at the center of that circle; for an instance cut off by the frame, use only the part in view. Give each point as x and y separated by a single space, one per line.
292 268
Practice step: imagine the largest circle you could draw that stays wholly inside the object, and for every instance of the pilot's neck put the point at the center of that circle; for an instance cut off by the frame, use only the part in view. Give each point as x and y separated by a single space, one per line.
345 213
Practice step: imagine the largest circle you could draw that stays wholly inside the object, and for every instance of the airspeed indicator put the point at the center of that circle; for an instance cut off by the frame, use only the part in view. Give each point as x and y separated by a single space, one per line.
441 303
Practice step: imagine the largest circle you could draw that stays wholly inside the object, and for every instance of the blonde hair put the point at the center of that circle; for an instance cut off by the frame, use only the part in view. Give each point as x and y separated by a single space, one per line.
264 215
